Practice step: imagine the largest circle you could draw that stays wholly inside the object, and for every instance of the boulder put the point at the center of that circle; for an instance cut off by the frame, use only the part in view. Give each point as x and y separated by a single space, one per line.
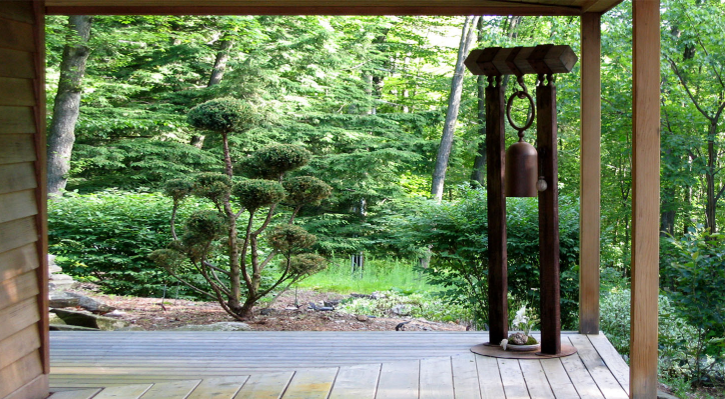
221 326
65 327
400 310
59 282
54 319
89 320
91 304
62 299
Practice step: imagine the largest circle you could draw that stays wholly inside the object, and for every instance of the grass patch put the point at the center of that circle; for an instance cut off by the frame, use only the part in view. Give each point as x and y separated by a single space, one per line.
379 275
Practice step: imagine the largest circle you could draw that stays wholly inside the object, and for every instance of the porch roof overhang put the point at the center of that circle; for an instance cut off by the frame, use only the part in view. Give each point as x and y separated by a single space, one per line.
332 7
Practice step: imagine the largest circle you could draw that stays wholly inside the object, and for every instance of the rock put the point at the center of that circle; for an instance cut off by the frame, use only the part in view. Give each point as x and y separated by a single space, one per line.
400 310
54 319
268 311
91 304
65 327
518 339
361 317
222 326
61 299
59 282
131 328
332 302
115 313
54 269
87 319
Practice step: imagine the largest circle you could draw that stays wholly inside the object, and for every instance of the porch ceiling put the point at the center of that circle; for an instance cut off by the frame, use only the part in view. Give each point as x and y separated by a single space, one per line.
331 7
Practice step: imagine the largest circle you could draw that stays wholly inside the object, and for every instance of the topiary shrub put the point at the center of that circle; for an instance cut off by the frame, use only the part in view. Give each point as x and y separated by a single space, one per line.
221 115
231 268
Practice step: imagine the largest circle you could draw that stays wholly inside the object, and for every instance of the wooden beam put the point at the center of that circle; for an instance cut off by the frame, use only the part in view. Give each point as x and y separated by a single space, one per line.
550 287
590 174
41 192
645 197
496 200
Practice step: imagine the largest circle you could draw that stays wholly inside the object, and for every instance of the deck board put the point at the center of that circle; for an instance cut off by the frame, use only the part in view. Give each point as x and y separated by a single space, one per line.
334 365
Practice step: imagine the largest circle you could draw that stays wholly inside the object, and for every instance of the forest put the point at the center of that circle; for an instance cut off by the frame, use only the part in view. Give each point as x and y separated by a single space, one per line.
331 140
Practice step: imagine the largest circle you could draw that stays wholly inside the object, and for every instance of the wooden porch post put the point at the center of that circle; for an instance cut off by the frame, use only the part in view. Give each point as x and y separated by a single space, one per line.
497 269
645 197
590 173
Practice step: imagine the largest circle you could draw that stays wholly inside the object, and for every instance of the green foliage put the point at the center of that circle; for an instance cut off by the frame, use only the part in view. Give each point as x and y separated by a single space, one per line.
693 275
213 186
106 238
456 234
221 115
305 190
271 162
134 163
168 259
254 193
287 237
204 226
178 189
307 264
417 305
379 274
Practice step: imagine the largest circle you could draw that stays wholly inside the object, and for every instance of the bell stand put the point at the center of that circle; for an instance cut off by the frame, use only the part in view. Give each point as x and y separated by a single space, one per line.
543 61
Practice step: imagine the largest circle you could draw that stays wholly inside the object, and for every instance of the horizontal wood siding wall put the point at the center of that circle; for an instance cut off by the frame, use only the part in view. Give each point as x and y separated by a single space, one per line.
23 239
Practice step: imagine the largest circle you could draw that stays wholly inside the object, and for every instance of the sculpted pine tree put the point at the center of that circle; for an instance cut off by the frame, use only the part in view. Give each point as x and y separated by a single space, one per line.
225 251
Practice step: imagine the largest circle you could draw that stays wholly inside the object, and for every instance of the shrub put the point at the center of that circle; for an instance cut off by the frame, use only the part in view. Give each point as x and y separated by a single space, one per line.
221 115
457 235
106 237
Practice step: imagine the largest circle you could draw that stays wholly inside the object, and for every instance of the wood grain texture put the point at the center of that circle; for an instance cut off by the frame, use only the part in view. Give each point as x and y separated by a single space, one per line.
17 233
18 261
356 382
14 120
17 205
546 131
269 386
20 373
612 359
311 383
436 378
16 35
399 380
590 174
513 379
16 64
645 197
17 92
15 148
18 345
17 11
536 380
171 389
17 177
489 378
558 379
218 388
18 289
18 317
597 368
35 389
328 7
41 195
496 211
465 376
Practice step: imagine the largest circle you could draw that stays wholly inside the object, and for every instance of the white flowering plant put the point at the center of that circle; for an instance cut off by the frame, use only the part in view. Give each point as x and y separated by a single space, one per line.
525 320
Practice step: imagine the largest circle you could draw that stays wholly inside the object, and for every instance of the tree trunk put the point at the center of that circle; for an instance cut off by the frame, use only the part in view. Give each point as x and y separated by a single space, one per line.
220 64
61 133
479 163
454 103
711 199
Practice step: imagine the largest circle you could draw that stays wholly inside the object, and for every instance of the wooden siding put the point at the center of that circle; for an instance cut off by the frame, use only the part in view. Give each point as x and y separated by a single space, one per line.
340 7
23 266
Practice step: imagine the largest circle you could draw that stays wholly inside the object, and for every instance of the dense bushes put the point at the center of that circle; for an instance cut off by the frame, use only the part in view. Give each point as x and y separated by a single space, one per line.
106 237
456 234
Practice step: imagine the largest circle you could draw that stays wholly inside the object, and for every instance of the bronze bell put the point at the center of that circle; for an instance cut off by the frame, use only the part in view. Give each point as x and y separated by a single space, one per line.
521 171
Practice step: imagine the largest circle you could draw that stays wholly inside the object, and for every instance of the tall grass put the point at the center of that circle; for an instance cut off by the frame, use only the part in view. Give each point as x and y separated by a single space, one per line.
379 275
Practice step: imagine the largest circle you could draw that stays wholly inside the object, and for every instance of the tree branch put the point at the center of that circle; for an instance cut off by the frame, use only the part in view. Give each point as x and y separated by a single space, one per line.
687 89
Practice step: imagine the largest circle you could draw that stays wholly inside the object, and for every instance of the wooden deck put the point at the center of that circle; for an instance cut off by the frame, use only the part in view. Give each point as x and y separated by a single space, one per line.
290 365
